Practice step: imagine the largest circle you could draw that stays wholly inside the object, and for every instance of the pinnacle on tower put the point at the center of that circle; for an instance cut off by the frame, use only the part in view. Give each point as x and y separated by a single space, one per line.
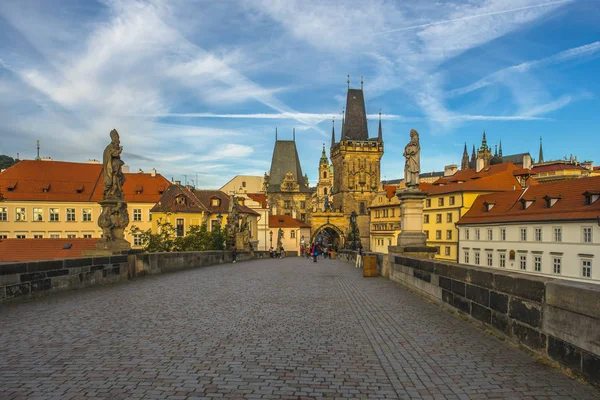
380 134
294 134
323 159
465 159
332 133
484 142
275 133
541 156
473 156
495 150
500 149
38 150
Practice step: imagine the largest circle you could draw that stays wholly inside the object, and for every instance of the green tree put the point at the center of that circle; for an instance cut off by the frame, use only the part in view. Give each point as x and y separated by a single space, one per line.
353 238
161 241
6 161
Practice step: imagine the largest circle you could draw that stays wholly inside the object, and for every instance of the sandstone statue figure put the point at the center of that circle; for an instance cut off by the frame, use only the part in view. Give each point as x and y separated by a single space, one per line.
113 168
412 167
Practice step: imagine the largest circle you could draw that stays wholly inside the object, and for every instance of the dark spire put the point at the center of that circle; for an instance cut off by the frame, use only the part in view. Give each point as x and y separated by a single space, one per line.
38 150
541 157
294 134
500 149
380 134
348 81
361 82
465 159
484 142
275 133
355 125
495 150
332 133
473 156
343 121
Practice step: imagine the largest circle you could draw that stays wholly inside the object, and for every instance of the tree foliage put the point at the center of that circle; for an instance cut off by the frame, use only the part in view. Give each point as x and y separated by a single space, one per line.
6 161
197 238
353 238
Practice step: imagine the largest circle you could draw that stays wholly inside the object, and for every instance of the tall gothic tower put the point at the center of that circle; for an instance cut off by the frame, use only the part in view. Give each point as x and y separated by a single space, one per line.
325 183
464 165
356 163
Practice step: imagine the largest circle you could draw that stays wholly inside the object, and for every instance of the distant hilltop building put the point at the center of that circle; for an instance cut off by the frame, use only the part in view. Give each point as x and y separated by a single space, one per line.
484 157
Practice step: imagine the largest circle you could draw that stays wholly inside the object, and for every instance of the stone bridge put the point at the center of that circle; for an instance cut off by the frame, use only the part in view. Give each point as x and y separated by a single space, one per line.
260 329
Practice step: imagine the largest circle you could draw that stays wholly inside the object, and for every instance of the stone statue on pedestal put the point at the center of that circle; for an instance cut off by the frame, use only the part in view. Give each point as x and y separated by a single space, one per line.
412 167
114 217
233 223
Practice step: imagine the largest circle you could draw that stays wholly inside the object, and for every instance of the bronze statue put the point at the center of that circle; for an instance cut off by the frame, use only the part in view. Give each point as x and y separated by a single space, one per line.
113 168
412 167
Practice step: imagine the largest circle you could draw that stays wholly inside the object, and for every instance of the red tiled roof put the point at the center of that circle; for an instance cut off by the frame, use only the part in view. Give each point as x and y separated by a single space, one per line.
556 167
197 201
37 180
508 206
499 177
260 198
286 221
43 249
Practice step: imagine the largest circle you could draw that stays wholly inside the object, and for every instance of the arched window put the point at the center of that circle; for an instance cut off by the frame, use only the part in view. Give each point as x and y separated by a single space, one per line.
324 190
324 174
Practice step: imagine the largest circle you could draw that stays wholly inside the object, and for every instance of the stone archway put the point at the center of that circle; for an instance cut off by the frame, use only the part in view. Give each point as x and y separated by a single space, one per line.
330 235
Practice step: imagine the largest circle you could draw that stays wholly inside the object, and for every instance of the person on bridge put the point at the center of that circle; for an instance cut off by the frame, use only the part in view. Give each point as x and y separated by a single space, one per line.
315 252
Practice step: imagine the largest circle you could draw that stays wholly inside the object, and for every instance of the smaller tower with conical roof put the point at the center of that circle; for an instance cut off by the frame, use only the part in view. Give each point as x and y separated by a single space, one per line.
541 156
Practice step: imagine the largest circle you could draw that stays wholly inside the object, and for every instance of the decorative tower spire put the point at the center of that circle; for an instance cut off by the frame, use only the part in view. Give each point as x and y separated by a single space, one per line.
541 156
380 134
332 133
473 156
343 122
464 165
500 149
38 150
323 159
484 142
495 150
361 82
348 81
294 134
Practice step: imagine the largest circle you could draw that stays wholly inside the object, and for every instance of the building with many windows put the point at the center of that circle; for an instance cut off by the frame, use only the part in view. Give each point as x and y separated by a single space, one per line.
294 233
56 199
450 197
551 229
385 219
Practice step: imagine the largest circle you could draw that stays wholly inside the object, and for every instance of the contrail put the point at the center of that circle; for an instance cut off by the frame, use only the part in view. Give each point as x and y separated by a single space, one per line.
447 21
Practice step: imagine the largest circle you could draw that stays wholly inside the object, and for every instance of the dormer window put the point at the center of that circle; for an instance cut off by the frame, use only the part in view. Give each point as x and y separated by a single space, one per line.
161 189
550 201
526 203
591 197
180 200
79 188
215 202
139 189
45 187
488 206
11 185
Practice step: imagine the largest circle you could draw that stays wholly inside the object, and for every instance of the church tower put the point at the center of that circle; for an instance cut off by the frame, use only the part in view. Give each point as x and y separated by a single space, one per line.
325 183
484 153
356 161
464 165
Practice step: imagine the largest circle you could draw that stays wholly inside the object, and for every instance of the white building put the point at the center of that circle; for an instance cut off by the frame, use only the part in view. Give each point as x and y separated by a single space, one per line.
551 229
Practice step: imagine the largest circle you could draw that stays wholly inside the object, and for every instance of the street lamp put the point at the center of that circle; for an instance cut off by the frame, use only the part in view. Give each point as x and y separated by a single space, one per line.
271 238
353 225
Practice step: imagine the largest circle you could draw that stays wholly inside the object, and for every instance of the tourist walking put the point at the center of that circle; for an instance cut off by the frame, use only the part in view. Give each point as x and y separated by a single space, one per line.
359 258
234 256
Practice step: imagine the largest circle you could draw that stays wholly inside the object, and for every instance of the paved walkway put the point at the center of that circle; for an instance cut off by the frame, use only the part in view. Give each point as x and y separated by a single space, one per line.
263 329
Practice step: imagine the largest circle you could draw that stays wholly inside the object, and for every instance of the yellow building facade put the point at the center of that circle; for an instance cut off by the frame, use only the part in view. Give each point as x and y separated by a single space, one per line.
385 219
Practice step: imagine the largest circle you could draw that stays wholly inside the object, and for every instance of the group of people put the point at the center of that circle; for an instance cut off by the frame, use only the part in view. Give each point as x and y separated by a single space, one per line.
279 253
315 250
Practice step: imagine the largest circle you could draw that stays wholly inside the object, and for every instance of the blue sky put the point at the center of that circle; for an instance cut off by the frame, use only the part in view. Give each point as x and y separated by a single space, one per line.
198 87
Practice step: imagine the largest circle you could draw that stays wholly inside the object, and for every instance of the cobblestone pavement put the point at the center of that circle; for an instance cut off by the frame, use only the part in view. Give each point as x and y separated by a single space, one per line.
265 329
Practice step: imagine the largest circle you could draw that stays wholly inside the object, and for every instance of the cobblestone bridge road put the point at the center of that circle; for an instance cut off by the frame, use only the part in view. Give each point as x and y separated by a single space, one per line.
265 329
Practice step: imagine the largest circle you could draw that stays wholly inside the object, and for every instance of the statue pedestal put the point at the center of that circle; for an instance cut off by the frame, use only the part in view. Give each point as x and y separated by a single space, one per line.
411 211
113 220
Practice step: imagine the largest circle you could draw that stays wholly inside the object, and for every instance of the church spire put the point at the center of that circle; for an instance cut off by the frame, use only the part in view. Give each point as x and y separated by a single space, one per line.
541 156
500 149
380 134
332 133
484 142
495 150
323 159
465 159
473 156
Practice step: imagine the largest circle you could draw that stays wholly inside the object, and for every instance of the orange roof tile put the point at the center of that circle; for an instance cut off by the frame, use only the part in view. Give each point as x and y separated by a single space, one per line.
43 249
508 205
37 180
286 221
197 201
260 198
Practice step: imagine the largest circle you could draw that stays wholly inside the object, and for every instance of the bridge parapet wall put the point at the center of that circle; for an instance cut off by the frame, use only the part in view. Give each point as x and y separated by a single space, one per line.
39 278
556 318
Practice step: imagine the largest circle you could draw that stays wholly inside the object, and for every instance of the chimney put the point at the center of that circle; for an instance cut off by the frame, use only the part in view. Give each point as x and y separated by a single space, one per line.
589 165
153 173
480 164
450 170
125 169
178 183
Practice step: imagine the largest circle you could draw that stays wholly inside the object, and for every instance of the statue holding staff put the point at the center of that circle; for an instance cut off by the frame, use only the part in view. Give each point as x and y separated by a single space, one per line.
412 167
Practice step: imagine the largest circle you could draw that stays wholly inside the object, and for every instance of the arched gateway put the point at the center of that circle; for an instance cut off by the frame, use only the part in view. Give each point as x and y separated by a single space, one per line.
328 234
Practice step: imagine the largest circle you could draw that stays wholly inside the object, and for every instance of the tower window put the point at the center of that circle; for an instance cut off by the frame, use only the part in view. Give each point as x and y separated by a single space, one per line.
362 207
324 174
324 190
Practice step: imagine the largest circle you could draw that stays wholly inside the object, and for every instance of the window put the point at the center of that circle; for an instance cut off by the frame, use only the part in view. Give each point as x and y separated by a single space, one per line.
324 190
20 236
426 234
38 236
466 234
502 234
427 202
587 233
477 235
137 214
448 217
179 230
558 234
70 214
54 215
87 215
324 174
523 262
537 263
362 208
466 255
451 200
302 217
71 236
3 236
55 236
586 268
393 211
37 214
438 235
441 201
490 234
87 235
437 250
490 259
438 218
449 235
477 258
215 202
149 216
426 218
243 183
286 204
137 239
20 214
556 264
447 250
538 234
303 204
502 260
3 214
523 234
292 234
